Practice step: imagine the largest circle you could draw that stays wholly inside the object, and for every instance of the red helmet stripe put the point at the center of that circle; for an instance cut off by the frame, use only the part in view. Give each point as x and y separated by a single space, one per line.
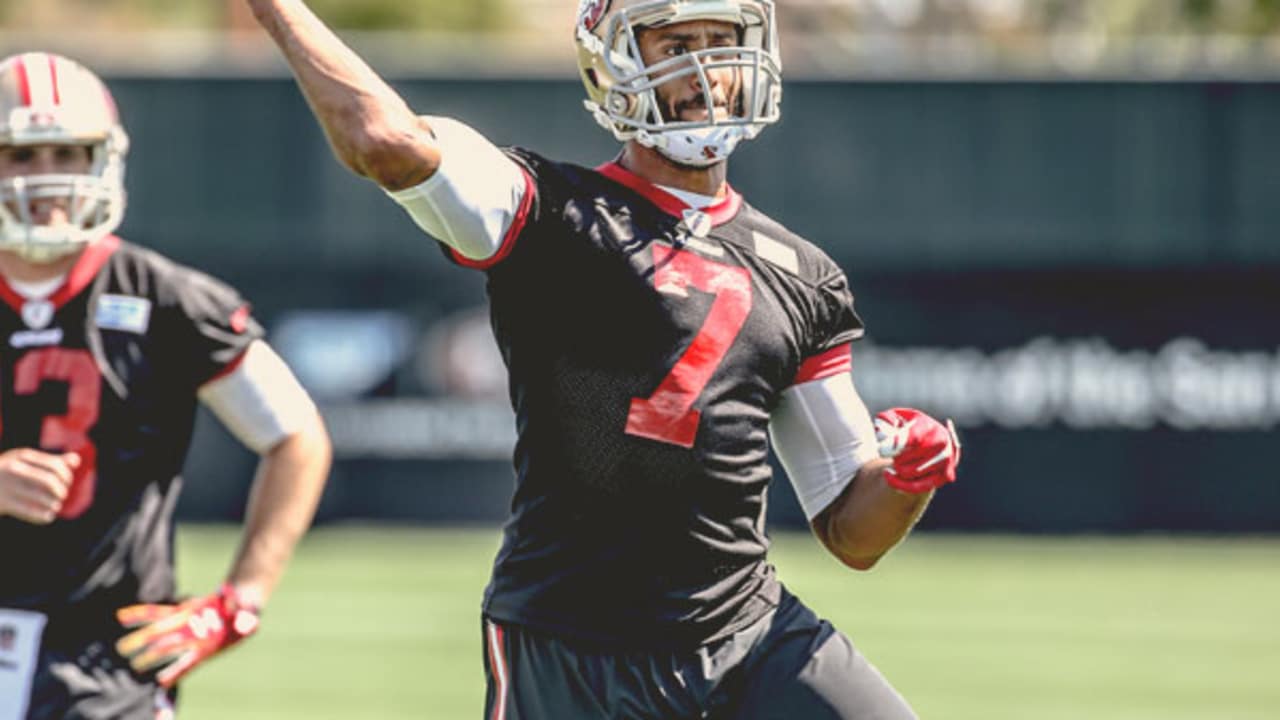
111 103
24 83
53 80
37 79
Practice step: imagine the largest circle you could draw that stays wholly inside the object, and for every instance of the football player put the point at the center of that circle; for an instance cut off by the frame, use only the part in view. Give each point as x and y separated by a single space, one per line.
106 349
658 331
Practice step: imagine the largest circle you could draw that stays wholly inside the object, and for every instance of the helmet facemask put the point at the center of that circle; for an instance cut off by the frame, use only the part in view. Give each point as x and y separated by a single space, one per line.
623 90
75 111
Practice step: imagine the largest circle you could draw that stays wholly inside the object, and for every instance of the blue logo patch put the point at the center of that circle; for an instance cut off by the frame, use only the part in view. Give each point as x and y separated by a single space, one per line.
122 312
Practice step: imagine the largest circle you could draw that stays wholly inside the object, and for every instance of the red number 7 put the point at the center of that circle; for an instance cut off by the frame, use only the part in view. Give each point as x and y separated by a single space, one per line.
668 415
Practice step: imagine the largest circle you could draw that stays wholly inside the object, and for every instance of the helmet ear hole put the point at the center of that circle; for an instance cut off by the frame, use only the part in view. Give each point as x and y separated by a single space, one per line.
593 77
620 104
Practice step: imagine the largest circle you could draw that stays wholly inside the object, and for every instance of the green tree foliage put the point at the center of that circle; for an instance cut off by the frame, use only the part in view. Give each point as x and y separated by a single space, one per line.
413 15
87 14
472 15
1258 17
1118 18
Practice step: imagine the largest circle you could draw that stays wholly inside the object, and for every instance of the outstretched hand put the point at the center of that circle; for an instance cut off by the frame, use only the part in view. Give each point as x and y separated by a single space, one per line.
170 640
925 453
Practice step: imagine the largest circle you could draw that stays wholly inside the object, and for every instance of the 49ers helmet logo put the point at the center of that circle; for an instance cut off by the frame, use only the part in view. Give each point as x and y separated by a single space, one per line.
590 12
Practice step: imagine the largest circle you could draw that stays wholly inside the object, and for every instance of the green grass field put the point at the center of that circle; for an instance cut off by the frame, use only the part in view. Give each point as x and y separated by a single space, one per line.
383 623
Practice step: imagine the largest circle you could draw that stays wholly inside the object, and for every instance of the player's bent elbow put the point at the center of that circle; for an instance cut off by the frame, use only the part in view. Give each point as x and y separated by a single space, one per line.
850 557
395 160
861 564
310 440
861 556
395 171
313 438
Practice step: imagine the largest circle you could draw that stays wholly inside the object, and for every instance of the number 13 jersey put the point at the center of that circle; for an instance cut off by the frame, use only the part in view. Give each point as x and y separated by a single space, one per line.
108 367
647 344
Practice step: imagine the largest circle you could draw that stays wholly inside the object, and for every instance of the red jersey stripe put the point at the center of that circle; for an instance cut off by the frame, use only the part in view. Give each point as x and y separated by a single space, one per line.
228 368
78 278
85 269
837 360
720 213
498 665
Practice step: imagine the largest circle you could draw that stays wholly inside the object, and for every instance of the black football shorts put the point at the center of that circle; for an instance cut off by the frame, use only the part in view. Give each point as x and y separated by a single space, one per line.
790 665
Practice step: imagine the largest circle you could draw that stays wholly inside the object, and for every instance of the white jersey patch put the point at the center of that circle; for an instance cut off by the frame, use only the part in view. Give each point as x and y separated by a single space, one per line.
123 312
777 253
20 632
36 338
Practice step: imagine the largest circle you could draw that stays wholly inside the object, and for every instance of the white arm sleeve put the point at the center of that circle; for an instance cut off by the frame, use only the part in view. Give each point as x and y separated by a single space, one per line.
260 402
823 434
473 198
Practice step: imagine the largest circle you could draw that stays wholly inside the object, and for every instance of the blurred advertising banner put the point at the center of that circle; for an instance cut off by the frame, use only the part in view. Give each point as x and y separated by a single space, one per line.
1085 275
1087 400
1081 384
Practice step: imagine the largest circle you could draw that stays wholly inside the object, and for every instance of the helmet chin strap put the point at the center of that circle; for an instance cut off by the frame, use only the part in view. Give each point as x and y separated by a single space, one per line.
696 147
46 245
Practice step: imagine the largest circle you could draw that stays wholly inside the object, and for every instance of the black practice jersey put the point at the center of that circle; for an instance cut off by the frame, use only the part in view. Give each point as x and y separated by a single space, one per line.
646 350
109 367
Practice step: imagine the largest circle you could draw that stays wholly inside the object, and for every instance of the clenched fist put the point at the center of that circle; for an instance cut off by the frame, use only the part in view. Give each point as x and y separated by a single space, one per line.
925 452
34 484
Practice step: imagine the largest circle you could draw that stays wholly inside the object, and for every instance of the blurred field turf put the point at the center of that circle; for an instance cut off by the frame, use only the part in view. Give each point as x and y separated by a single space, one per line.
383 623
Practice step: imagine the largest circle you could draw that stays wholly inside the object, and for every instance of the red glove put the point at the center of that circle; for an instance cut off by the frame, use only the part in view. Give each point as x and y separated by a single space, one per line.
925 453
173 639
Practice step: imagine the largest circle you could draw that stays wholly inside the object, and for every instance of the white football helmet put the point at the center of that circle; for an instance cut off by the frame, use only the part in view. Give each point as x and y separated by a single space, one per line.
621 88
48 99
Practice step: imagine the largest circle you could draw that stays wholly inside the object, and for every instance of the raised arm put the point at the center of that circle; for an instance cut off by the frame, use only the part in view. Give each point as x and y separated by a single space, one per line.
475 205
369 126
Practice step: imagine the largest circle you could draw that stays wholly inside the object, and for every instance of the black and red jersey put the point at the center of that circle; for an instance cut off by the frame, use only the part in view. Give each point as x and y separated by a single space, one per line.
109 366
647 344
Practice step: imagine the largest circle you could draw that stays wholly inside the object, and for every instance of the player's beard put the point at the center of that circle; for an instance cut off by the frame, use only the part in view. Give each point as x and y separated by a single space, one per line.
674 112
